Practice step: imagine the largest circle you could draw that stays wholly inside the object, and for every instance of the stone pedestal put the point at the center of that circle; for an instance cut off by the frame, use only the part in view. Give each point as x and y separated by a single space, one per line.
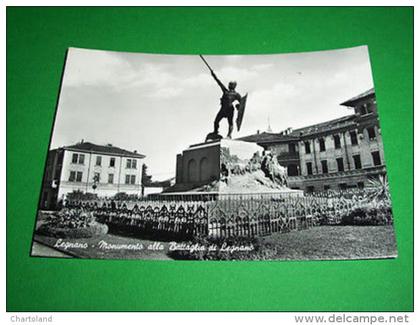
225 166
228 167
197 165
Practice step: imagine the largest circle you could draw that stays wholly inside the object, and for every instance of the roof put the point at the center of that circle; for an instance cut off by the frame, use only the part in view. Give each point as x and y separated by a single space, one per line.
353 100
108 149
324 126
266 137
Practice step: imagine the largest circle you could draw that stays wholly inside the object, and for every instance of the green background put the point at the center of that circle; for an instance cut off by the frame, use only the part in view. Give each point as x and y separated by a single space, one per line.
37 39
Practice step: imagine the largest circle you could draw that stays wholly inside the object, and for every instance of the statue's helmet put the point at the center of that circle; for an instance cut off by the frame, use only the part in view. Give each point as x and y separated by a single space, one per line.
232 85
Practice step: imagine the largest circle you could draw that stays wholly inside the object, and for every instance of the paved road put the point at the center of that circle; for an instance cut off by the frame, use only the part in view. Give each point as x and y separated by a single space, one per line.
42 250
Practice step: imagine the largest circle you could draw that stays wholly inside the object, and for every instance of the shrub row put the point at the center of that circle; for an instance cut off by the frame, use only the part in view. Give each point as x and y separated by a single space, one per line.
368 217
94 229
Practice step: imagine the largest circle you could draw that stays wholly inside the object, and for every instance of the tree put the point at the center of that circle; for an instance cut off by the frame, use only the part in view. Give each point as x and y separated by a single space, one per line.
146 180
95 182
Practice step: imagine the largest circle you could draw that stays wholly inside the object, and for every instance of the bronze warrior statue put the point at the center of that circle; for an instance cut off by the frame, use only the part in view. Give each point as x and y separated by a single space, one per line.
226 102
229 97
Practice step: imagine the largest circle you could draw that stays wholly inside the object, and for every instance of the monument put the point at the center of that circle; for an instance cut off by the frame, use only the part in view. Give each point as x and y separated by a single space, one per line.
223 165
229 97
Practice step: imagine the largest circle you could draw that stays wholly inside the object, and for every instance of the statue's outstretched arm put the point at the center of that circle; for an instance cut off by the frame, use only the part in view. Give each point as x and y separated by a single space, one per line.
221 85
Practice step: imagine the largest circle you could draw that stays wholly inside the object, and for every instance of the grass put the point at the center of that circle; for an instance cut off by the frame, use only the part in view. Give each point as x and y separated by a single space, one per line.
325 242
335 242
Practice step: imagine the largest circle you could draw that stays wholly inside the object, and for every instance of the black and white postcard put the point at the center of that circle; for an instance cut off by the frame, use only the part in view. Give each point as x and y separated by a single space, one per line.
211 157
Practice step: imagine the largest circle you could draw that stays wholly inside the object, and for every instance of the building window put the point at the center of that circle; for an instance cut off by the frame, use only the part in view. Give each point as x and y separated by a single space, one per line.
292 170
326 187
363 110
324 165
353 138
321 144
357 162
309 168
110 178
307 147
292 148
98 160
366 108
342 186
361 185
340 164
131 164
72 176
75 176
376 158
78 158
130 179
337 142
371 133
112 162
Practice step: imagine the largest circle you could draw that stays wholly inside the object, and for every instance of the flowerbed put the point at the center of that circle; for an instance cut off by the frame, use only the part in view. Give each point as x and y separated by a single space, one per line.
73 223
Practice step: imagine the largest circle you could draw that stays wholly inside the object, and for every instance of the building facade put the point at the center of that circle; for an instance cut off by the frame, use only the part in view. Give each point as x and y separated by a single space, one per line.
337 154
87 167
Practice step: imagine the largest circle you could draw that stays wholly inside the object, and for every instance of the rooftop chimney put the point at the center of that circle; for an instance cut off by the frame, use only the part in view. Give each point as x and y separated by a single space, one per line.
287 131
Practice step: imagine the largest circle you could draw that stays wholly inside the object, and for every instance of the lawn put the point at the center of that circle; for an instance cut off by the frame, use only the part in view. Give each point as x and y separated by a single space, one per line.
325 242
335 242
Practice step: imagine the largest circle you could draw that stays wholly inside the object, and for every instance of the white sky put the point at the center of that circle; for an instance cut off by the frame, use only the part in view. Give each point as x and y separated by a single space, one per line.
161 104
